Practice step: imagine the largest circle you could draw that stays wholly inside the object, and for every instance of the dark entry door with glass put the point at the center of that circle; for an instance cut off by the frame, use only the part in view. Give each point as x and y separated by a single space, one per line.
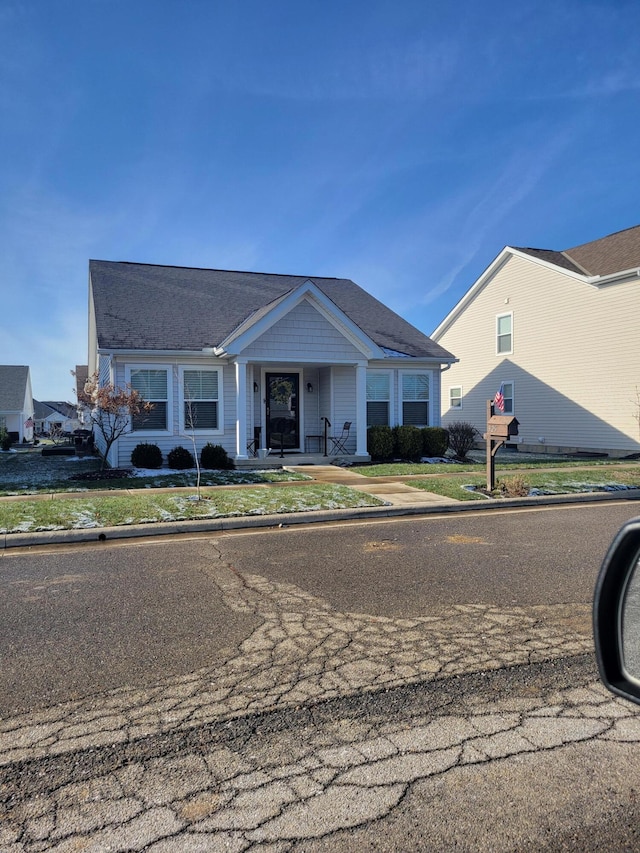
283 422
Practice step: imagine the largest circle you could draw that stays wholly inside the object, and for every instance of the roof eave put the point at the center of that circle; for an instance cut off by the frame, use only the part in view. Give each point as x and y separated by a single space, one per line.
488 274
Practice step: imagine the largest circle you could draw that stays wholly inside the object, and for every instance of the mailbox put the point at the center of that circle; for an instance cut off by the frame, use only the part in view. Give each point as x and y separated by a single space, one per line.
502 426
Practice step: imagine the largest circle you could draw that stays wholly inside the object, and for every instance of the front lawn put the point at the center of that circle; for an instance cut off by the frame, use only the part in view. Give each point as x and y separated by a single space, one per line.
26 472
22 516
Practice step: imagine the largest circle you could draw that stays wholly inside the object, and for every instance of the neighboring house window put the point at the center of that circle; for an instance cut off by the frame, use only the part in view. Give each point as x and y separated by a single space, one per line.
3 423
415 399
378 398
455 397
504 334
201 399
152 385
507 390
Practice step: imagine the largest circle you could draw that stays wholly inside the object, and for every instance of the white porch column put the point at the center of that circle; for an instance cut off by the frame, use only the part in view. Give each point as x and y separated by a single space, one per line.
361 409
241 409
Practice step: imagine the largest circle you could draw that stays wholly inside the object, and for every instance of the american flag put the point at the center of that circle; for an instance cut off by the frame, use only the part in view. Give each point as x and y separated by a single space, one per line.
498 400
28 423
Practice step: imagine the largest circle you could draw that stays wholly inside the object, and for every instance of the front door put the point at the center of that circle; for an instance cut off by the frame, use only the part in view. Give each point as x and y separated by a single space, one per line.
283 414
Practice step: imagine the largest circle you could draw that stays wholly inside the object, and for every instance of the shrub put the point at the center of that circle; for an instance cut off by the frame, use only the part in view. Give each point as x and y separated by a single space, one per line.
5 440
435 441
146 456
380 442
407 442
215 457
514 487
180 458
462 437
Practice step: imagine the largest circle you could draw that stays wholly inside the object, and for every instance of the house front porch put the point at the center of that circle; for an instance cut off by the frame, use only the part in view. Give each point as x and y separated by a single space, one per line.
275 460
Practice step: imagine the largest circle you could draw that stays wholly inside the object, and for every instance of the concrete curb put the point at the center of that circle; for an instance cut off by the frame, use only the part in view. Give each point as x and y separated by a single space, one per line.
213 525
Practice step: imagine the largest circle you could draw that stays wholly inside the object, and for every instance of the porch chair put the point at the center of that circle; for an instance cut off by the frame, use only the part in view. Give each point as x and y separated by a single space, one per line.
339 442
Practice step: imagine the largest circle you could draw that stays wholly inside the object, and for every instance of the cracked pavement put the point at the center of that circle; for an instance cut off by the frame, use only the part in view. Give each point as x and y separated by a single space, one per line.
320 725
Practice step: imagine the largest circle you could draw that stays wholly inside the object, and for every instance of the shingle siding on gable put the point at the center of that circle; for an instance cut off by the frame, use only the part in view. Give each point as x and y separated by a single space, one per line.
303 335
575 361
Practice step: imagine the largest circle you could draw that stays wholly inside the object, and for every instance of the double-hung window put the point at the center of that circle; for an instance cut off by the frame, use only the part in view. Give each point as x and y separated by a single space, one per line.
153 386
504 334
455 397
201 399
415 399
378 399
507 392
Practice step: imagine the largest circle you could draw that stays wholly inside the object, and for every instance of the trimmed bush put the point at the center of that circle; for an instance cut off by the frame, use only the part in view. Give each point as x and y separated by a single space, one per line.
214 457
146 456
380 442
180 458
6 441
407 442
435 441
462 437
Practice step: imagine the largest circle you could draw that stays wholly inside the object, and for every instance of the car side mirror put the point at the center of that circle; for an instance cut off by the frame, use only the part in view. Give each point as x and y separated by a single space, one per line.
616 614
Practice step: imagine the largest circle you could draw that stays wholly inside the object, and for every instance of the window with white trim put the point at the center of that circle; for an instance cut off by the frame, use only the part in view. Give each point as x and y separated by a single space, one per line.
507 392
153 386
455 397
201 399
415 399
504 334
378 399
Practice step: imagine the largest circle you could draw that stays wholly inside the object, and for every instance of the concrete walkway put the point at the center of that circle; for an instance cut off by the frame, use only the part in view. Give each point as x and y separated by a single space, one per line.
392 490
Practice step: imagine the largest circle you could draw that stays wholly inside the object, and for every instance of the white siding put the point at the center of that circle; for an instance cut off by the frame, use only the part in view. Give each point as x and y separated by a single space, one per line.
575 360
303 335
174 437
344 403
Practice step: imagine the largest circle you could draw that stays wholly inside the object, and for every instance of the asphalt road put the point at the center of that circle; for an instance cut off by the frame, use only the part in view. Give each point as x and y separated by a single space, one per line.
91 618
391 685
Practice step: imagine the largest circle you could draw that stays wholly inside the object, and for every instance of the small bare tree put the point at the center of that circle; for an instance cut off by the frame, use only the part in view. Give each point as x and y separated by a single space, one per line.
190 421
111 409
636 403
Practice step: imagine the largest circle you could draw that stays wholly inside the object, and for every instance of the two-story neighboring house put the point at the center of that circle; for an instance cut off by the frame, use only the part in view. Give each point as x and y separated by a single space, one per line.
257 361
16 401
558 330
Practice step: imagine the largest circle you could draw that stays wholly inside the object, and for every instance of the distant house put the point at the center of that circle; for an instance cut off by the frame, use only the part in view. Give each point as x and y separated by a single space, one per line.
16 402
55 416
256 360
81 374
559 331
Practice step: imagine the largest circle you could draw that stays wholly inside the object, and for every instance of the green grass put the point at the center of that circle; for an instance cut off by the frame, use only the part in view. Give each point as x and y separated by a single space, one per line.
63 513
28 472
565 481
406 469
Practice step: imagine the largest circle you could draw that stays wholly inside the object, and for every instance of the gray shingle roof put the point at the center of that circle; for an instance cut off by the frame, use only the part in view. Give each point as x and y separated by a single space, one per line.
13 387
614 253
149 307
67 410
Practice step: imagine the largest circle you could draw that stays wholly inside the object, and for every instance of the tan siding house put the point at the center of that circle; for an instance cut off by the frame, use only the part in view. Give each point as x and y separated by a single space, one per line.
559 331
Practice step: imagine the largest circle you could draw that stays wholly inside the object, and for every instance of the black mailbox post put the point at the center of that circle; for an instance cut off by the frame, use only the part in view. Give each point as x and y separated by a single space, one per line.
499 429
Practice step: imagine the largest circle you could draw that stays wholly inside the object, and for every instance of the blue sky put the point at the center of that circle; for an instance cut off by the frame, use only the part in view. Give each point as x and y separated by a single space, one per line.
402 144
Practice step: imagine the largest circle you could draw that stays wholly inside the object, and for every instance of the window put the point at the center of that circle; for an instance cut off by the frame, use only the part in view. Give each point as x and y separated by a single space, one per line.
504 333
455 397
507 390
378 396
201 398
415 399
152 385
